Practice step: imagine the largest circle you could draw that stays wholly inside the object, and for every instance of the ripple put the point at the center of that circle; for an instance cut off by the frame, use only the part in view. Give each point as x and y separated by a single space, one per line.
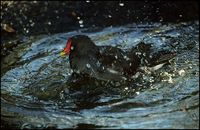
36 91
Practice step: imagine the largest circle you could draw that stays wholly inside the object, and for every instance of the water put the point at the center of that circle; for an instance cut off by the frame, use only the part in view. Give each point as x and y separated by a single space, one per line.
36 93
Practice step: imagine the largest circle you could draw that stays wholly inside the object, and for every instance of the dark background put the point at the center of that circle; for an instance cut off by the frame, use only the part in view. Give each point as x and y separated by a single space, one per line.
28 18
57 16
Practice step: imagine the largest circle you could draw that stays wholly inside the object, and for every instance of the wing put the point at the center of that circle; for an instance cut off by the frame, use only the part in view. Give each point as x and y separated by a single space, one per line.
91 66
119 60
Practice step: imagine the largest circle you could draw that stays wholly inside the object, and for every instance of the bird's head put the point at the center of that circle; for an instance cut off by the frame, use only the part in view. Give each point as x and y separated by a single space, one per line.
79 44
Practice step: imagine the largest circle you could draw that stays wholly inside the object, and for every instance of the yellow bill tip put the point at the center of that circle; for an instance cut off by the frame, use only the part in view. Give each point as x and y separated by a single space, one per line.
62 53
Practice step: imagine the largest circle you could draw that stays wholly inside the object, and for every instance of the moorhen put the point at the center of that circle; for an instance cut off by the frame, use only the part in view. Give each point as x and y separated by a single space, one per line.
110 63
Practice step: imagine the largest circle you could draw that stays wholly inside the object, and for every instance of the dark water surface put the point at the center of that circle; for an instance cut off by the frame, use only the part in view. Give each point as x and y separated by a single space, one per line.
35 92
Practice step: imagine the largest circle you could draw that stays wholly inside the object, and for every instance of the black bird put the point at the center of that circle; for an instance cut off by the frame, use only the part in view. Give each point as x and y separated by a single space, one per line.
110 63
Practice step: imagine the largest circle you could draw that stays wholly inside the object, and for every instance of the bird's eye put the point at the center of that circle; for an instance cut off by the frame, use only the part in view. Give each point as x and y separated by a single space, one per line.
72 48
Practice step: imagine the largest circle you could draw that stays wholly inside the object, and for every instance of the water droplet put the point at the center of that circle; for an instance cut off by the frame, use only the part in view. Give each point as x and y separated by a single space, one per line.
137 93
121 4
61 95
126 58
80 21
138 53
42 88
170 80
32 24
49 23
81 25
124 78
181 72
88 65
